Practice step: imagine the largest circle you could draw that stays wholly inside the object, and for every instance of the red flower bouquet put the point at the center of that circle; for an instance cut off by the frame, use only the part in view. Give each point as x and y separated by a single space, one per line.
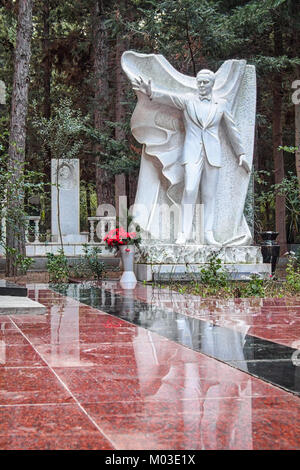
119 237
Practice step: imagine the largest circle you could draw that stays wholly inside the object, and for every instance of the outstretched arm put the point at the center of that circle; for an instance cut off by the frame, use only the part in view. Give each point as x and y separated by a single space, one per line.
167 98
235 140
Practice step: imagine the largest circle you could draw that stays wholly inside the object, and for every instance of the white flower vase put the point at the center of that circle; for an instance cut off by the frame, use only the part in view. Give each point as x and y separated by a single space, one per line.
128 279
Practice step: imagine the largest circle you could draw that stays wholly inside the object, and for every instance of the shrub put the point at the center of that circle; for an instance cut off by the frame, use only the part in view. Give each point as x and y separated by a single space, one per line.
254 287
293 272
57 267
89 265
214 274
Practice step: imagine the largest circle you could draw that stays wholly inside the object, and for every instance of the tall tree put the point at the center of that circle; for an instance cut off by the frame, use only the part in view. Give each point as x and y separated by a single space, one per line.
15 191
280 212
297 140
104 184
120 112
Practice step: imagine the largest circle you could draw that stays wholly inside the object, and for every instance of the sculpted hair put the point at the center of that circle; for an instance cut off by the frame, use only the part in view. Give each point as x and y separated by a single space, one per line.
208 73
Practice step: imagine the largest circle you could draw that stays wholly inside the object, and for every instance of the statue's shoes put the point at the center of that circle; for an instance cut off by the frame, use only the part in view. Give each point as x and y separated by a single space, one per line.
180 239
209 239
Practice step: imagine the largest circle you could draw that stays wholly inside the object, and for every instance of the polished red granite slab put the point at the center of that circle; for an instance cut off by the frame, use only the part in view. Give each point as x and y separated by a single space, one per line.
61 426
77 378
12 336
19 355
227 424
31 385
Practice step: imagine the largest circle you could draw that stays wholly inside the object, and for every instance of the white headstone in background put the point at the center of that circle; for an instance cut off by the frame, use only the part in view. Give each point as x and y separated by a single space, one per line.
2 92
65 175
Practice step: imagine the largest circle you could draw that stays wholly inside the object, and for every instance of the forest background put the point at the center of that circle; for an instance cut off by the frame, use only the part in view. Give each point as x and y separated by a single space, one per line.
80 100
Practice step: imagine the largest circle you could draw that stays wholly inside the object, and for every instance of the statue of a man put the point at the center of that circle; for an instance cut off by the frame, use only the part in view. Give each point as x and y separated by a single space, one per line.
202 155
197 135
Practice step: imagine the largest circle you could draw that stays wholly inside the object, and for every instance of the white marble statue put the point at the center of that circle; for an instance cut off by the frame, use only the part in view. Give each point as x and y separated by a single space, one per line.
198 145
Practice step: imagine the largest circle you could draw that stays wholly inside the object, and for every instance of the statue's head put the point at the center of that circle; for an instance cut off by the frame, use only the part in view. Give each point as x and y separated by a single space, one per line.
205 81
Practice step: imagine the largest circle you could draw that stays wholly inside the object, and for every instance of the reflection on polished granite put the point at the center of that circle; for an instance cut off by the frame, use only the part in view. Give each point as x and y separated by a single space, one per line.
233 346
81 378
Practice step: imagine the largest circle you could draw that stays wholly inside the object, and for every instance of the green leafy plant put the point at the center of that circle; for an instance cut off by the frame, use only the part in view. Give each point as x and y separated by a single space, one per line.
116 156
289 188
16 182
293 272
89 265
254 287
21 262
214 274
57 267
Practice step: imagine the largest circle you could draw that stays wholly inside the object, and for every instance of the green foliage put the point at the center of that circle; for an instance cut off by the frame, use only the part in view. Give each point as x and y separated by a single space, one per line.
254 287
84 214
57 267
289 188
89 265
115 155
15 182
25 181
61 133
21 262
288 149
214 274
293 272
293 278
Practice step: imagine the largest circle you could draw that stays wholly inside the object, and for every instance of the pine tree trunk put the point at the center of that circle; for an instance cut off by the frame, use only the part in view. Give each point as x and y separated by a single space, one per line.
47 63
280 208
296 44
297 124
104 183
15 236
47 67
297 139
120 180
46 83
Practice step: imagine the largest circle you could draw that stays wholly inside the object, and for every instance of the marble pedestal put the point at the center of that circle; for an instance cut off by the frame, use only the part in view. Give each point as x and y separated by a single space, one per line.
166 262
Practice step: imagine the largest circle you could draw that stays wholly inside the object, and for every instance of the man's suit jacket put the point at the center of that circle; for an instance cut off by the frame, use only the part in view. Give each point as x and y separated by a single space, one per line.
197 132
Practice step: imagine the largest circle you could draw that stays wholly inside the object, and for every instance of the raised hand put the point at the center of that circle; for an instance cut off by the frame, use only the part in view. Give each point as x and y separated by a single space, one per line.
140 85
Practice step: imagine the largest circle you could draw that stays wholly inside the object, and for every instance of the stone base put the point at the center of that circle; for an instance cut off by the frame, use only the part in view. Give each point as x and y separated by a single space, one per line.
184 262
72 238
196 254
70 249
20 305
183 272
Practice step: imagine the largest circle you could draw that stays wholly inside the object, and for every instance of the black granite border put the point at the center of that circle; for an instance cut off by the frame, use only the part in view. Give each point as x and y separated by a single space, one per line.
12 289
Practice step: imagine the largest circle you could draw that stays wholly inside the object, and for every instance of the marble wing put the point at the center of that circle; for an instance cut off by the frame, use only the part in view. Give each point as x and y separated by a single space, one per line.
160 129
